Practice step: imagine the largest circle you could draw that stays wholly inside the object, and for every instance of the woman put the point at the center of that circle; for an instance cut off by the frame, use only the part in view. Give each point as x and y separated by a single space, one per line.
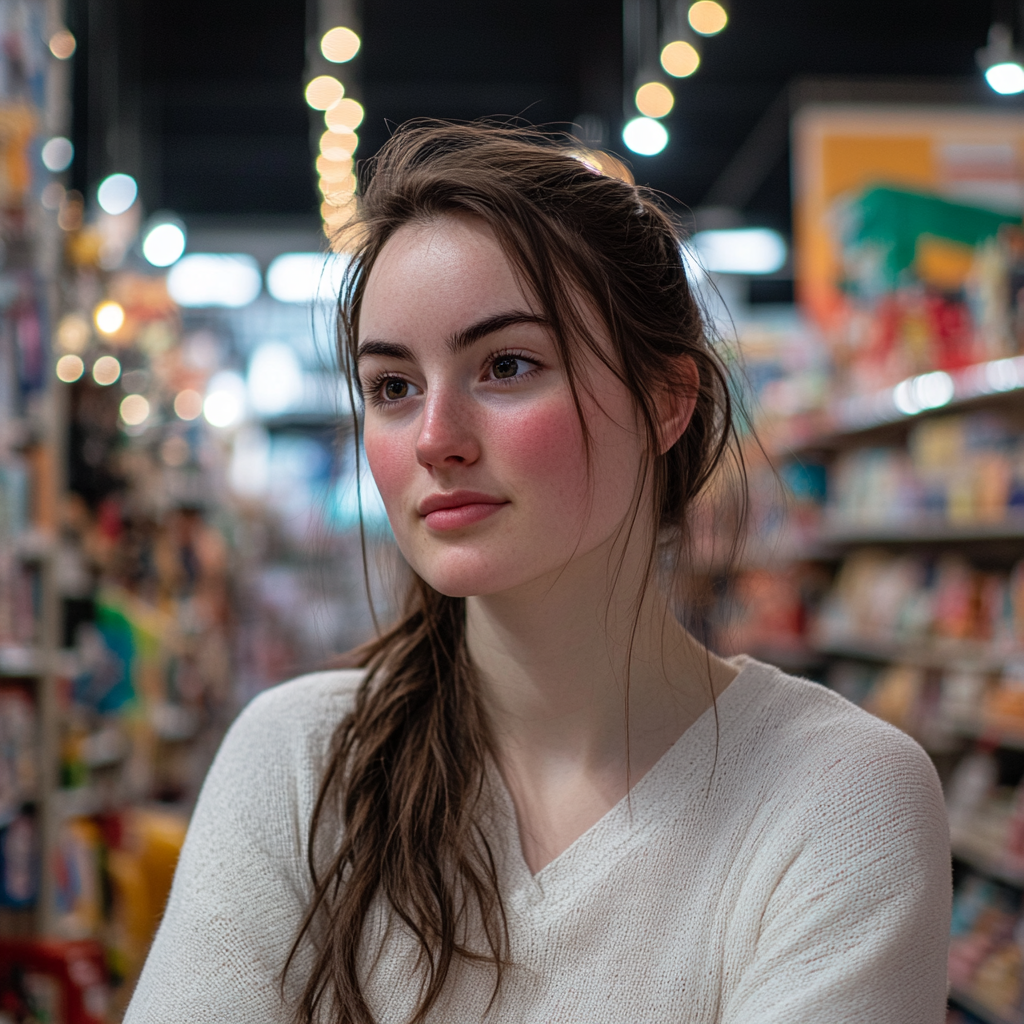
540 799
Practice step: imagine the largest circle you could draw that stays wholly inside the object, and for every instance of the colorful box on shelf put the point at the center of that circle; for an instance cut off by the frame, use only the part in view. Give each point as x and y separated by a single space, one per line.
50 980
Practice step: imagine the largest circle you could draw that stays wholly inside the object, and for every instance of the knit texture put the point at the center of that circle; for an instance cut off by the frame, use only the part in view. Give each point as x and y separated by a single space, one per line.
788 864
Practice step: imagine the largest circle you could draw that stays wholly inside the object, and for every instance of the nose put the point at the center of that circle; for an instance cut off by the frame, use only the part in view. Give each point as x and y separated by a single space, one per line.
448 435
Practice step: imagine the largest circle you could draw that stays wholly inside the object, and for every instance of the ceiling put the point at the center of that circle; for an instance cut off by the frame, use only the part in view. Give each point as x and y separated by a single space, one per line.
202 99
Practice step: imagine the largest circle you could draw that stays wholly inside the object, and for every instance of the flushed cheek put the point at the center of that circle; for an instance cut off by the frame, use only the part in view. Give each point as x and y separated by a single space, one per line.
391 455
540 448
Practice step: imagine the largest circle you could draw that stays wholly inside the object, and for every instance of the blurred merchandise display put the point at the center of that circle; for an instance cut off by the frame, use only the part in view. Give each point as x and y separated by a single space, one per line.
884 552
954 470
178 528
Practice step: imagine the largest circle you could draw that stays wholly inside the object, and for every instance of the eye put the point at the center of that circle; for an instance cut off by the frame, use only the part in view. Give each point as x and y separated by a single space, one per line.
395 389
505 367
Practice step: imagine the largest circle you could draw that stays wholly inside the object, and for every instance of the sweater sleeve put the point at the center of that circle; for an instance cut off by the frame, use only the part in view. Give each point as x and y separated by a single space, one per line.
857 927
240 887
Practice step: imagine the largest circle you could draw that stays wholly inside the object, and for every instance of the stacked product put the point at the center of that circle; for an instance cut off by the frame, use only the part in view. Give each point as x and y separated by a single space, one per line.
954 470
891 567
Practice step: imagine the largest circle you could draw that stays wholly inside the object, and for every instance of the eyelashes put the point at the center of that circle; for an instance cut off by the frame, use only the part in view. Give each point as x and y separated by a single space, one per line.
372 389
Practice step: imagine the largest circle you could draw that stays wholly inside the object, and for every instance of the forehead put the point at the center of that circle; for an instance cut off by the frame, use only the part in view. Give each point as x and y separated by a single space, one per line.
437 276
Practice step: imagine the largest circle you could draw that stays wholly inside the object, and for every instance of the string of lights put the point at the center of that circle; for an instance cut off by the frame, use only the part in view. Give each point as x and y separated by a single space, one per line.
335 164
672 32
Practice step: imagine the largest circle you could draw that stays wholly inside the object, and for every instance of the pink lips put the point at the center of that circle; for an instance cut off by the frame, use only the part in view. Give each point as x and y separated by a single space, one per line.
458 509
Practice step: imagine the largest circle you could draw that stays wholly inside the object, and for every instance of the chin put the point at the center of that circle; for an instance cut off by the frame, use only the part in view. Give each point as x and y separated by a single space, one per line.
468 577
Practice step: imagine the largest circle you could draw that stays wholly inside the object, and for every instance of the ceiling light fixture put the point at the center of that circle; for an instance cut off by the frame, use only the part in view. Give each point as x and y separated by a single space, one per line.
340 45
680 58
1002 65
215 279
323 92
740 250
654 99
707 17
645 136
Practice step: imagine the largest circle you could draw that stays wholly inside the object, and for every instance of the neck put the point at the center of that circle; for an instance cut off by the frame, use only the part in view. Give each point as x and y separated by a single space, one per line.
562 659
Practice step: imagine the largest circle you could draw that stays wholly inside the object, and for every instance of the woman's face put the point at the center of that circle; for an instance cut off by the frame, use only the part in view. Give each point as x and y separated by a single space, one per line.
471 432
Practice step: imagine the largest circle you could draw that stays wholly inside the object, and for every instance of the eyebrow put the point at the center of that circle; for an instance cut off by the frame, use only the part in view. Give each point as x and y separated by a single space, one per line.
457 342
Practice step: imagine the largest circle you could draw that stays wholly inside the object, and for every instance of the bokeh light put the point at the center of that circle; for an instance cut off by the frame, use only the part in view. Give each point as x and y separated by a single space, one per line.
346 115
70 368
62 44
1007 78
204 279
707 17
654 99
188 404
340 45
680 58
323 92
116 193
109 317
337 146
73 333
224 405
106 370
345 188
57 154
645 136
164 244
134 409
305 277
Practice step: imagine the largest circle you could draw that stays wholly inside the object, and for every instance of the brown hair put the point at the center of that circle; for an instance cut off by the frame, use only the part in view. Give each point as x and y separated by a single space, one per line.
407 766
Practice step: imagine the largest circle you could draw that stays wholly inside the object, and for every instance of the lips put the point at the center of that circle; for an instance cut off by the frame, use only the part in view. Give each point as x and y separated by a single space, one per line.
458 509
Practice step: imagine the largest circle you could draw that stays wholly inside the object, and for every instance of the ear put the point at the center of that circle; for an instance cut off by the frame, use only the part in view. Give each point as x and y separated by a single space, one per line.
676 403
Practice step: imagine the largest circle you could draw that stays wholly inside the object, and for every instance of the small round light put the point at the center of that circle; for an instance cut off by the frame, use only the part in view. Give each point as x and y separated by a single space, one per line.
339 45
337 147
164 245
117 193
70 368
62 44
73 333
134 409
343 188
106 370
345 116
654 99
323 92
188 404
645 136
333 168
109 317
680 58
707 17
1007 78
57 154
222 408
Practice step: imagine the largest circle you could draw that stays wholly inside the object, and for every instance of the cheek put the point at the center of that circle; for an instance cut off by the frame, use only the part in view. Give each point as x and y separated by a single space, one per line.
543 444
391 458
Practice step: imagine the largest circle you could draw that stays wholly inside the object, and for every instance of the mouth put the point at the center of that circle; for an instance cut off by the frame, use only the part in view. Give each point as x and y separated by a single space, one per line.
458 509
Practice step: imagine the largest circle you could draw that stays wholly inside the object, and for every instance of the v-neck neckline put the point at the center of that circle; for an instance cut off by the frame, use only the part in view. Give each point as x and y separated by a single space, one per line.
606 841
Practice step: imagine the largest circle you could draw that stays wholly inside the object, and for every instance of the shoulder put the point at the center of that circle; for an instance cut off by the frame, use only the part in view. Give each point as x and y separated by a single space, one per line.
825 752
277 747
813 721
301 711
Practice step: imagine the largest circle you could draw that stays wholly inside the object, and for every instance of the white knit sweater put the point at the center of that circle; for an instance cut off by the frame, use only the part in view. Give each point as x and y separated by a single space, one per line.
801 876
